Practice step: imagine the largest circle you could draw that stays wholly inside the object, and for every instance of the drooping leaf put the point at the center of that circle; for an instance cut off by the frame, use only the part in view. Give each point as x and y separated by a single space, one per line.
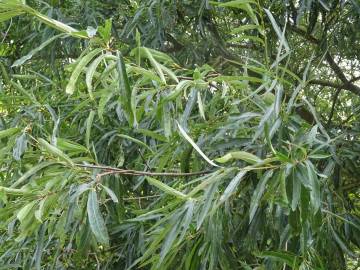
96 221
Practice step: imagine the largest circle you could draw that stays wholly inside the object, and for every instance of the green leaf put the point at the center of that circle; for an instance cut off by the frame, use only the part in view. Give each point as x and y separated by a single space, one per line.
14 191
166 188
104 99
258 193
155 64
241 155
111 194
279 33
31 172
296 191
232 186
315 195
20 146
187 137
89 123
125 90
135 141
90 73
8 132
27 57
25 211
96 220
283 256
105 31
80 67
201 105
55 151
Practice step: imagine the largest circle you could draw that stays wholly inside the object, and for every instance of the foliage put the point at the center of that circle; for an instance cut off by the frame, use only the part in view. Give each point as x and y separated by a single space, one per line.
179 135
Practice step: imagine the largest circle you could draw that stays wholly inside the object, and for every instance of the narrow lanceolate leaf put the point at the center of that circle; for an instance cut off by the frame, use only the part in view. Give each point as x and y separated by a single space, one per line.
239 155
277 29
296 191
135 141
155 64
70 88
197 148
14 191
89 123
30 173
22 214
96 221
6 15
55 151
201 105
125 89
111 194
27 57
232 186
258 193
90 73
57 24
283 256
315 195
8 132
20 146
165 188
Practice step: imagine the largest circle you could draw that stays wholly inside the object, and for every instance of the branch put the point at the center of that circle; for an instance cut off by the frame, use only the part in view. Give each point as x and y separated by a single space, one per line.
112 170
346 84
333 106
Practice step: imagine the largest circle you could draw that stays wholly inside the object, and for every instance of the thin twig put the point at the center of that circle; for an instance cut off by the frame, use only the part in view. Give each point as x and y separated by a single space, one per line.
111 170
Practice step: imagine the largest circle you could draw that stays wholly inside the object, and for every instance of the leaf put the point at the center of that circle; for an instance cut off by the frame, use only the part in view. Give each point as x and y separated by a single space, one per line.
169 73
279 33
6 15
315 195
70 87
96 220
169 240
105 31
343 245
57 24
31 172
183 133
20 146
67 145
55 151
25 211
125 90
242 155
201 105
189 206
258 192
244 5
13 191
90 73
296 191
155 64
89 123
40 211
283 256
8 132
166 188
232 186
111 194
104 99
135 141
27 57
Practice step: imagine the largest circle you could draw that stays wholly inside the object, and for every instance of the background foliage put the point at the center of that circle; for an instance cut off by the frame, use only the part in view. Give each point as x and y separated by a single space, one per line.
179 134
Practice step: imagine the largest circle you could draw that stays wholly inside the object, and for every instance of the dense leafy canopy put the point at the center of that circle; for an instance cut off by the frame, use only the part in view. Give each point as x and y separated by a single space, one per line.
179 134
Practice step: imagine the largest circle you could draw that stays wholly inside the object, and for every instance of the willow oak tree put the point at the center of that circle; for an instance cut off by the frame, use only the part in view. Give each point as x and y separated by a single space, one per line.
179 134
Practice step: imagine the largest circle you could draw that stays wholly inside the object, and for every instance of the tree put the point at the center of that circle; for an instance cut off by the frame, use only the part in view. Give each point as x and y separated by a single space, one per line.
179 135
